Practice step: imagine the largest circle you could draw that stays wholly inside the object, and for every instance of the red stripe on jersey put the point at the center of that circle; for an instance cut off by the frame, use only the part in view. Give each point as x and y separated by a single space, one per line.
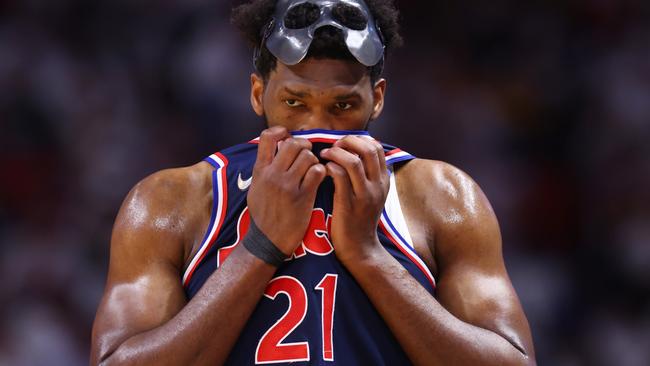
223 202
406 253
393 152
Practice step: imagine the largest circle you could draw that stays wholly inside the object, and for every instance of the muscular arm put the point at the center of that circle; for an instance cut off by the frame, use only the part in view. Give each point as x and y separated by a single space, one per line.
476 318
144 317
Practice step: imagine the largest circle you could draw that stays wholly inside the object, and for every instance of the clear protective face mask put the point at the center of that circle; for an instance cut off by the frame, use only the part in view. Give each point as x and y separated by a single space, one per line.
290 43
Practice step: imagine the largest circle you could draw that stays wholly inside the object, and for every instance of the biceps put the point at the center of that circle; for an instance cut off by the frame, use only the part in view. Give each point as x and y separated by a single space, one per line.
132 307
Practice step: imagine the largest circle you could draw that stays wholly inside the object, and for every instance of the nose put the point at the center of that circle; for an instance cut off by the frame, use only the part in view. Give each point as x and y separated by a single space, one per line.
318 119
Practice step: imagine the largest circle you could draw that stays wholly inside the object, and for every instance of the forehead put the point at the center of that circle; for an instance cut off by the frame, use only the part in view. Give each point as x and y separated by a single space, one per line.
320 74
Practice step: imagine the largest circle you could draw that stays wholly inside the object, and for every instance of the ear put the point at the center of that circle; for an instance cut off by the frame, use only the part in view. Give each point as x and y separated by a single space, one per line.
379 91
257 94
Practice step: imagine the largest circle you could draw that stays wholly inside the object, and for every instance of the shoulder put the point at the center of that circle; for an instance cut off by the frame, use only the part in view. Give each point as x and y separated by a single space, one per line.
166 209
450 203
455 196
168 193
166 188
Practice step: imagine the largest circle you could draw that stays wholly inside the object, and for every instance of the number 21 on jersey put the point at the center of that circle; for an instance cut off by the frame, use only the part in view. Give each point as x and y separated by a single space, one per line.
271 348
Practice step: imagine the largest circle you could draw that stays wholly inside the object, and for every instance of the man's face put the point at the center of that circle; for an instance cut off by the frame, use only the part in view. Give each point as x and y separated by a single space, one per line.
318 94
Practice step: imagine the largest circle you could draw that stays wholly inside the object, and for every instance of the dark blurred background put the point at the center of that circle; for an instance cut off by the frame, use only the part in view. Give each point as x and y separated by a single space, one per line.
545 103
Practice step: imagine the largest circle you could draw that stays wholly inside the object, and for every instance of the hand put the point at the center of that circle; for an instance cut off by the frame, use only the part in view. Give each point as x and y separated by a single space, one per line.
283 191
361 182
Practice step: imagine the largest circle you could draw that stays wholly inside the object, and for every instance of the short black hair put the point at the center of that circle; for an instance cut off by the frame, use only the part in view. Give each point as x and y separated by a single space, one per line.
252 18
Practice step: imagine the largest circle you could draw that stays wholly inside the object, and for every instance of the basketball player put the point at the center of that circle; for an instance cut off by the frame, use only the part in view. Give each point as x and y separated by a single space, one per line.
314 243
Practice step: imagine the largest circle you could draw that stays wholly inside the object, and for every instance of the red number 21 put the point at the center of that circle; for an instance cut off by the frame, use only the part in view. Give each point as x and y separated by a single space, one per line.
270 348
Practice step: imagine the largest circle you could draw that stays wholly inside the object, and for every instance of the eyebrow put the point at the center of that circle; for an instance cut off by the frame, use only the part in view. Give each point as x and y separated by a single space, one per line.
339 98
348 96
295 93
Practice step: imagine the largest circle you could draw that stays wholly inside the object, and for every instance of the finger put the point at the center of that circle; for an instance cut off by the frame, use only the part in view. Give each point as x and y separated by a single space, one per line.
381 156
289 151
367 151
351 163
313 178
385 173
342 183
268 143
305 160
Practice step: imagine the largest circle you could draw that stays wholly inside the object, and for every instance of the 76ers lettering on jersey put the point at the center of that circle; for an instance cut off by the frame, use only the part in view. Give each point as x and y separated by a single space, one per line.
313 311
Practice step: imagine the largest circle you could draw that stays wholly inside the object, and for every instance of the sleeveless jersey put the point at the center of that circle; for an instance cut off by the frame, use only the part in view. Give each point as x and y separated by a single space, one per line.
313 311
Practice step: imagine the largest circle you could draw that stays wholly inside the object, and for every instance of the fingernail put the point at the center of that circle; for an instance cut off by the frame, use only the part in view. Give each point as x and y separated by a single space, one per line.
324 151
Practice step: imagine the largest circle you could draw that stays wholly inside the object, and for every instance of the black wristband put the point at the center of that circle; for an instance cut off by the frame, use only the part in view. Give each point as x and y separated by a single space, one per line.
260 246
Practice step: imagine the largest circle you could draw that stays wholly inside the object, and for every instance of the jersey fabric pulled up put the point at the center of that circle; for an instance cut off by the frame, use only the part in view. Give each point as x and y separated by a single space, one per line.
313 311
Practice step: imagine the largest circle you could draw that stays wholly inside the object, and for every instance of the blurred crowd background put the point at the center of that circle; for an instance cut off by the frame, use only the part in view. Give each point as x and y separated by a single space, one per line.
545 103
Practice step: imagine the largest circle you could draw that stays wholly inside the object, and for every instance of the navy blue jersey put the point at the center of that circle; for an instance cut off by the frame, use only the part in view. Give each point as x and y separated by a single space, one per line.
313 311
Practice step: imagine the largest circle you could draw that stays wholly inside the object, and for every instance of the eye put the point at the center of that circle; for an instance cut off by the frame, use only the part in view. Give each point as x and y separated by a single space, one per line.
343 106
293 103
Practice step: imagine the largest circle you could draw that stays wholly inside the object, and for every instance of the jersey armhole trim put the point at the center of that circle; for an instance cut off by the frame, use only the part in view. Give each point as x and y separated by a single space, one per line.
218 215
394 212
215 161
396 156
391 233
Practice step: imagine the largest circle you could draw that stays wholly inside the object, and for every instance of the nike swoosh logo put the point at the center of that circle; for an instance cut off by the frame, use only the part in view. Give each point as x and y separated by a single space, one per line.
244 184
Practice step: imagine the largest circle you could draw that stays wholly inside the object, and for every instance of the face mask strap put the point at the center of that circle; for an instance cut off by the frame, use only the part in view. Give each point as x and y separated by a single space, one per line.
257 52
382 63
